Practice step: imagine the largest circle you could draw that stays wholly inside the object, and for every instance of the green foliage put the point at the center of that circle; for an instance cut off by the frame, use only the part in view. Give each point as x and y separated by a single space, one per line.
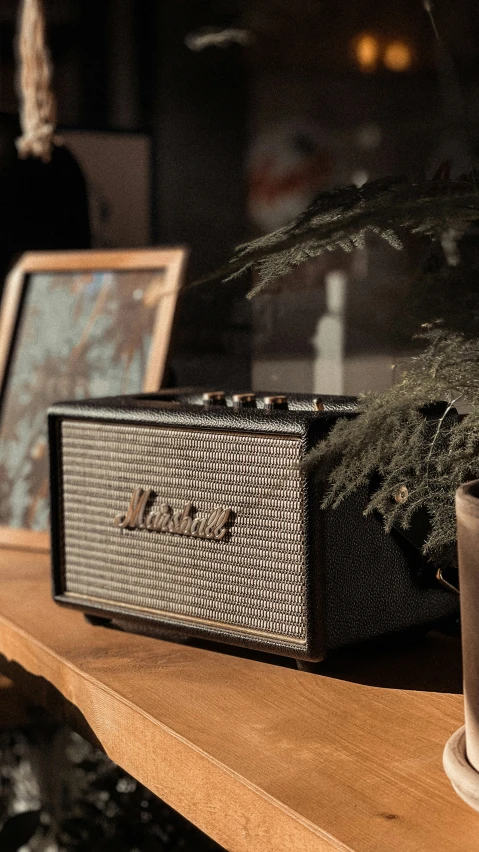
342 218
420 452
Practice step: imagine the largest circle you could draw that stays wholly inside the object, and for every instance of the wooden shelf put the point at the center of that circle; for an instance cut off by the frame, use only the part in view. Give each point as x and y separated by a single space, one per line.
258 755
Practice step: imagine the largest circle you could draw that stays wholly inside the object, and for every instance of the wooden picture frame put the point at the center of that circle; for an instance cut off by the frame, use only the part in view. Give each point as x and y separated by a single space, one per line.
114 300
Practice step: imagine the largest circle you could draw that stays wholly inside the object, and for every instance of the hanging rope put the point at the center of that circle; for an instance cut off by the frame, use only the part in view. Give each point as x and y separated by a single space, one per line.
37 103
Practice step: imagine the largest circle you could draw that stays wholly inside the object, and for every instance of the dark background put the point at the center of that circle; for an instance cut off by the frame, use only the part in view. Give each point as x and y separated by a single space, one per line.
123 65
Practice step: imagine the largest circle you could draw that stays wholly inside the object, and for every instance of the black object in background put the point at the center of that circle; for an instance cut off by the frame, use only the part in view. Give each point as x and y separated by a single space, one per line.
43 206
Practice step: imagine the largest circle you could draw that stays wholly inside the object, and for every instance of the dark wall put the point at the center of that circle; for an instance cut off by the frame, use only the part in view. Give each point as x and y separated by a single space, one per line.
123 65
200 125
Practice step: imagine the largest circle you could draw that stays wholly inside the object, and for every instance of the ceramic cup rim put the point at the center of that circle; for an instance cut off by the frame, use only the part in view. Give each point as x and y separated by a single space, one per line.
467 498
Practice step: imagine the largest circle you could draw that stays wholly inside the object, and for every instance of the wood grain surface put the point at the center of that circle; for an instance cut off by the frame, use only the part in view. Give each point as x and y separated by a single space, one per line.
258 755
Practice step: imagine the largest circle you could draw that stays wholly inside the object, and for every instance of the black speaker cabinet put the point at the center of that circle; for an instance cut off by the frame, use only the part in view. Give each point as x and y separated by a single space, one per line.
190 513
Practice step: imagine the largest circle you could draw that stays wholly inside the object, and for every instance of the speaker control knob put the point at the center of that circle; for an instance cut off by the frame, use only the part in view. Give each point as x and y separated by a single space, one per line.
278 402
214 398
244 400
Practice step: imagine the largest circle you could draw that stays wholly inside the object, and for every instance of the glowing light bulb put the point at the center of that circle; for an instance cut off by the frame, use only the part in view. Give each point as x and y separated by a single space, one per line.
397 56
366 49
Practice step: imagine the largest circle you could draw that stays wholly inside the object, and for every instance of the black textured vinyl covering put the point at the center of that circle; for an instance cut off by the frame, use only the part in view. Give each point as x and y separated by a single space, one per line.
360 582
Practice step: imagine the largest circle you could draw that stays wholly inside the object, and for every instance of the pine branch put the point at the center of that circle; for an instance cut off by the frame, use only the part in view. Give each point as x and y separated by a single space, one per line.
342 218
421 452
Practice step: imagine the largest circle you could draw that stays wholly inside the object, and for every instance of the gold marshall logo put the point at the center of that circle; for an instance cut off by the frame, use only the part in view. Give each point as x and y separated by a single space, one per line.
167 521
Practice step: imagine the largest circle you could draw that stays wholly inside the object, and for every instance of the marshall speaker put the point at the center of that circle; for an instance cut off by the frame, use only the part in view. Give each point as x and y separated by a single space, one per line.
188 515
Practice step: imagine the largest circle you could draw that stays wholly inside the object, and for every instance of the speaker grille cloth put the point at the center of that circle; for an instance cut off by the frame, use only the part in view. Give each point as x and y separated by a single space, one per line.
253 580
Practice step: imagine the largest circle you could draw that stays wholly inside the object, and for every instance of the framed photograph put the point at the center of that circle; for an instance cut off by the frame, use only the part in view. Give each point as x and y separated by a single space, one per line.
73 325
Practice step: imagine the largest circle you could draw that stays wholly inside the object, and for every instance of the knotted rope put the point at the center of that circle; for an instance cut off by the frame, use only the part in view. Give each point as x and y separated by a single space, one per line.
37 103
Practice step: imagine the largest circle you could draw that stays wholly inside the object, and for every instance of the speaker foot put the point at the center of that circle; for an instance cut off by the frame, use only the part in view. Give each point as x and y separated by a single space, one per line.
307 666
97 620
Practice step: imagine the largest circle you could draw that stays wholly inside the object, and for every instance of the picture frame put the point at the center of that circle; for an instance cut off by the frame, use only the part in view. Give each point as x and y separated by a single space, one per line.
73 325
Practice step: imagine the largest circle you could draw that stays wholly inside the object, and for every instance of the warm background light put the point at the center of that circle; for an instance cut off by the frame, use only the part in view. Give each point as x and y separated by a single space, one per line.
366 49
397 56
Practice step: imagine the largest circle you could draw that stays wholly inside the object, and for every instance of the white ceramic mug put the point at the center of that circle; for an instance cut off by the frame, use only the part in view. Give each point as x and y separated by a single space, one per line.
461 755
